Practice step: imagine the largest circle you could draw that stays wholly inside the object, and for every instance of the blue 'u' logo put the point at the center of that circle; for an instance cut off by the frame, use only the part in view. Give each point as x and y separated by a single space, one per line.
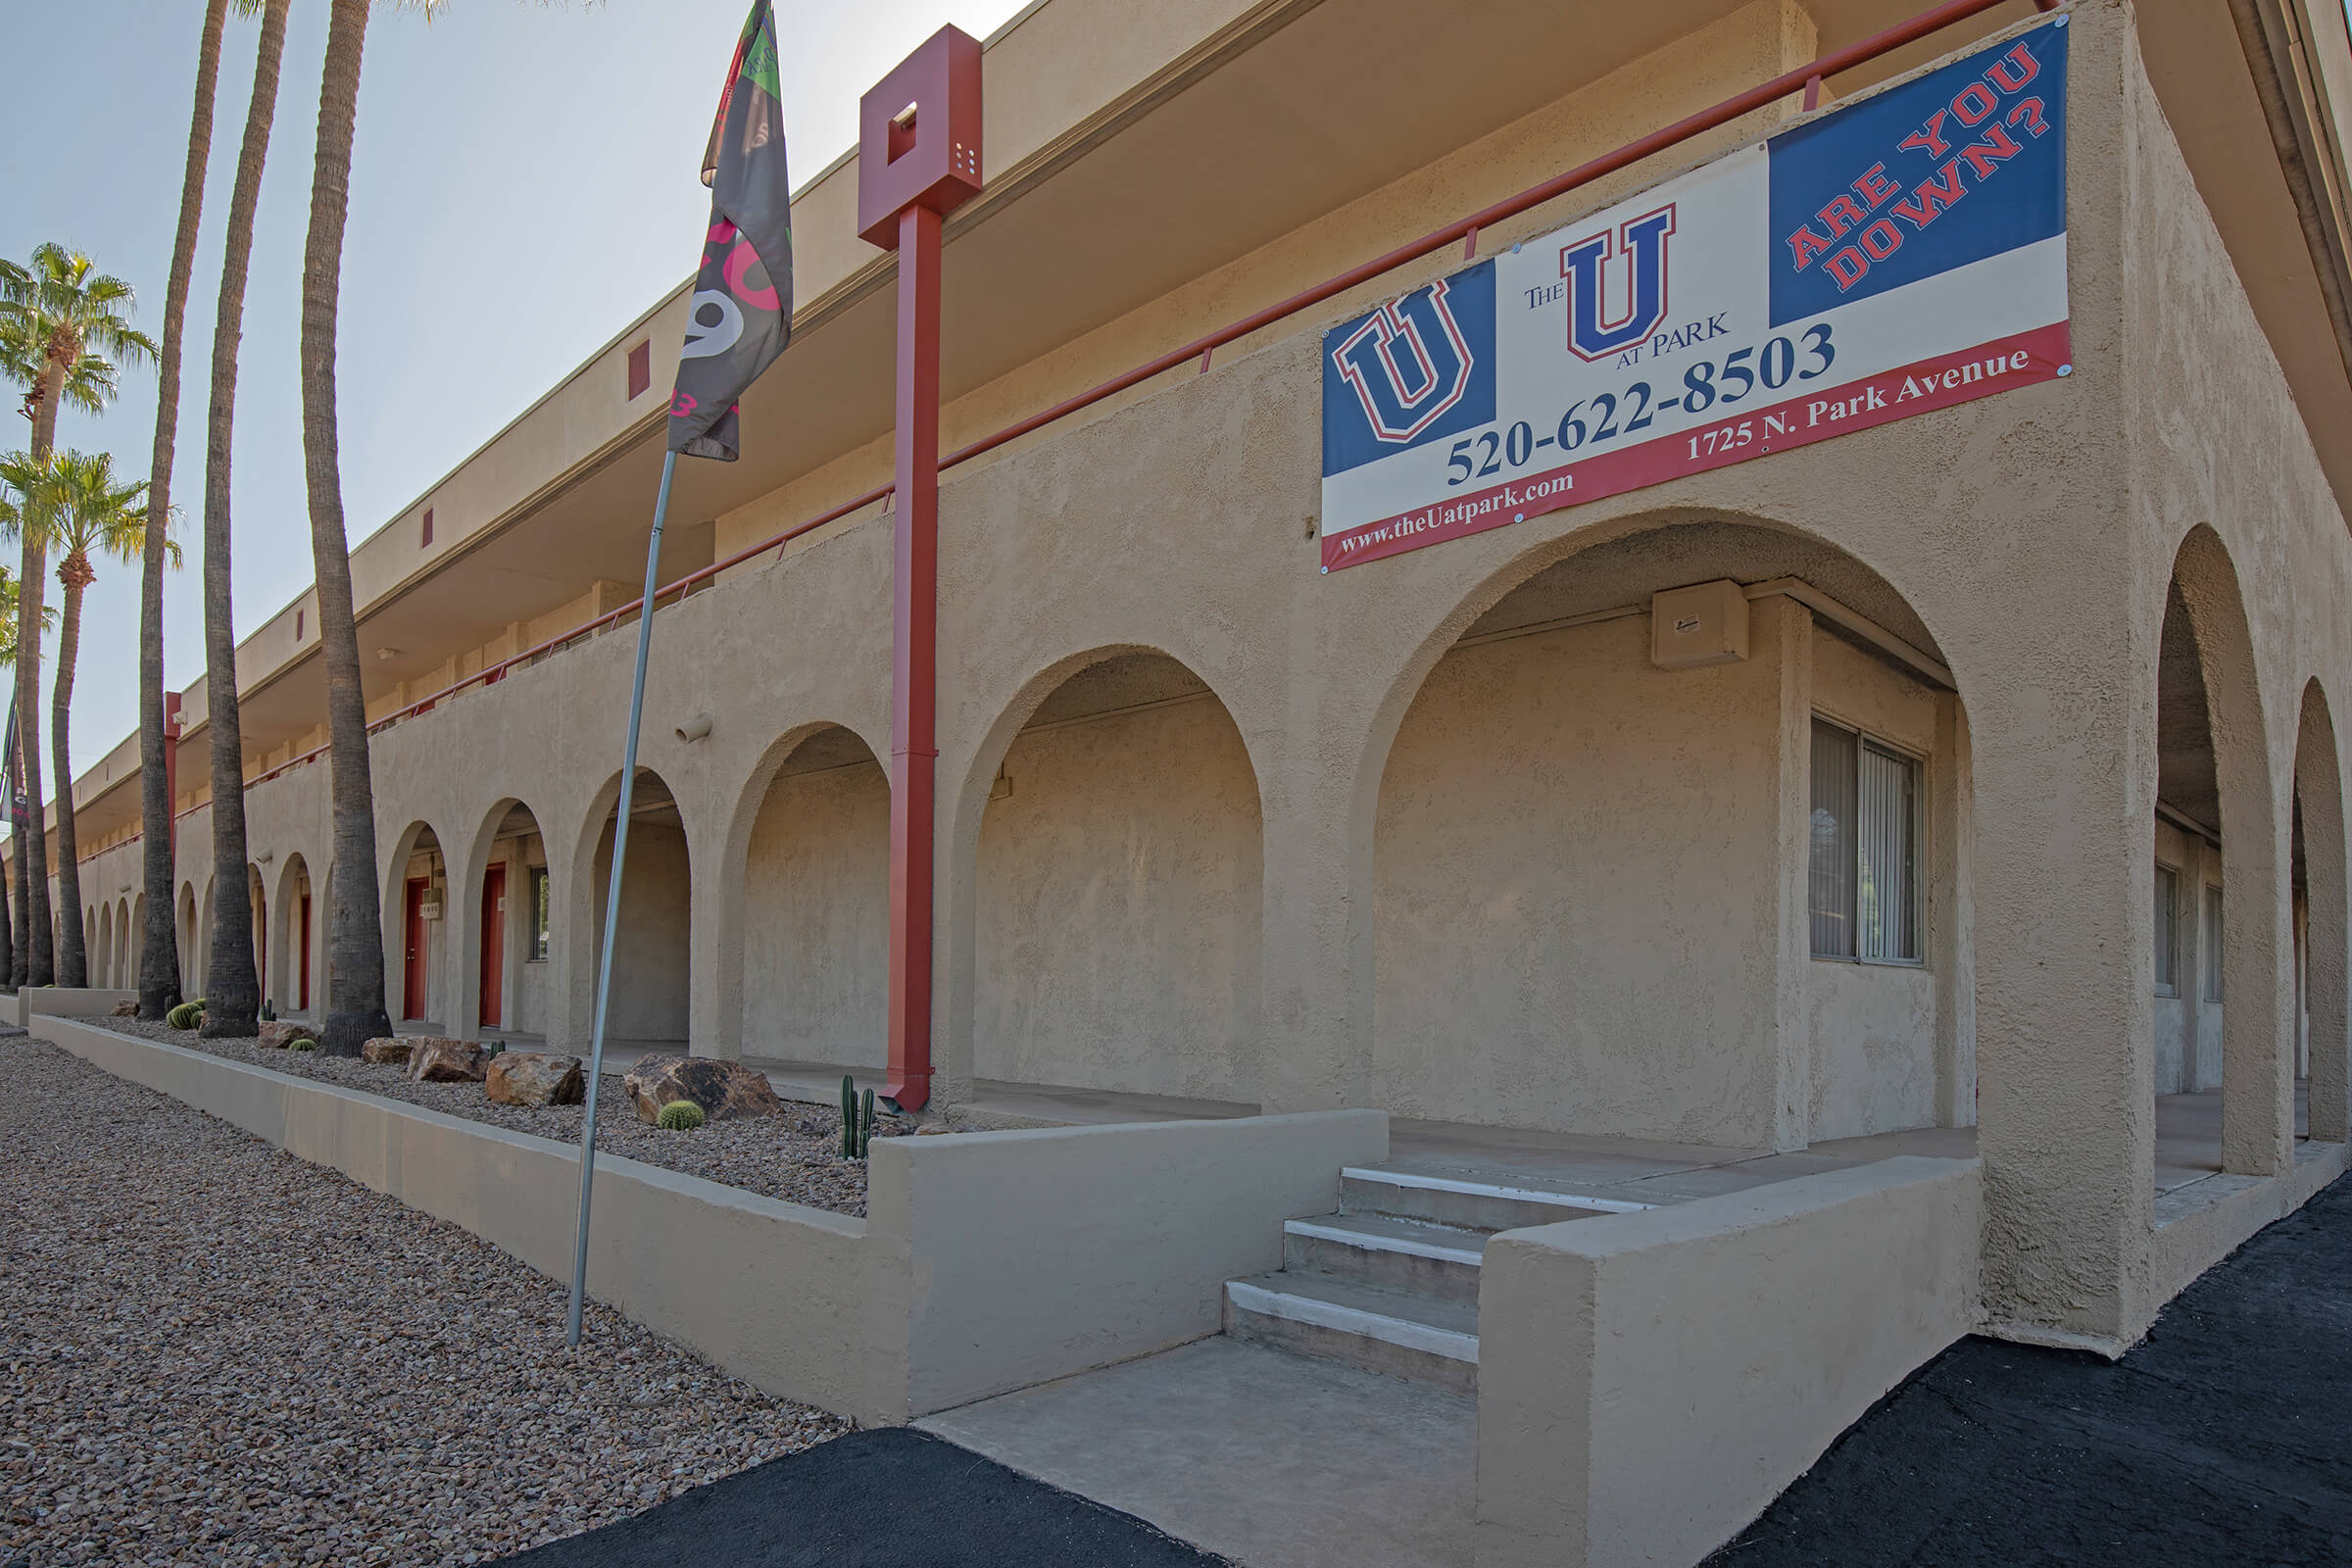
1407 363
1585 264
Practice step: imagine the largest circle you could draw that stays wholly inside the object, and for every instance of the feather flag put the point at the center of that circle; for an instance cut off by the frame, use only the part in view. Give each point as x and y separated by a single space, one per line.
741 317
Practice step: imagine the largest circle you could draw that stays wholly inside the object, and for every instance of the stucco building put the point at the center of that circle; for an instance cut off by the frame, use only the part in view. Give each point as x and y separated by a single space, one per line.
2015 822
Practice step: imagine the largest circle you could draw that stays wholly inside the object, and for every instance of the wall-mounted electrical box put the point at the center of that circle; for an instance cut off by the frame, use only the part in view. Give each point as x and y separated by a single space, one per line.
1705 623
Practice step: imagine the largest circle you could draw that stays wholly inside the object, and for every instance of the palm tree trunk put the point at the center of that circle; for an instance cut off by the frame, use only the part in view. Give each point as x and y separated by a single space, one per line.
231 992
158 978
355 943
40 956
20 963
73 962
8 928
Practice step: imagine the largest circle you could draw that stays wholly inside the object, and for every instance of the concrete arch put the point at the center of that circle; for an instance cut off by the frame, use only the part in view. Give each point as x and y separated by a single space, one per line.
258 911
294 930
184 930
2328 940
652 994
510 840
831 1020
416 961
1121 900
1598 870
102 950
2254 812
204 938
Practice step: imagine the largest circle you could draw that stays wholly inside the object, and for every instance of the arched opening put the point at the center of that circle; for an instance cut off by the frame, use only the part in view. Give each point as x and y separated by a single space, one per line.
191 978
2324 932
509 931
816 906
204 941
294 943
652 991
415 904
1118 891
1685 869
102 951
257 902
2185 939
2222 931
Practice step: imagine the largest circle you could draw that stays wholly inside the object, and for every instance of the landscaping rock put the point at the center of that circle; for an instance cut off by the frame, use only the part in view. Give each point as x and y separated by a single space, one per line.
534 1078
386 1050
277 1033
446 1061
127 1009
722 1088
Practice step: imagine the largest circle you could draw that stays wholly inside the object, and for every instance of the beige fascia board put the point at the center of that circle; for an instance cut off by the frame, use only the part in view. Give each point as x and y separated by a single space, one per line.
2273 36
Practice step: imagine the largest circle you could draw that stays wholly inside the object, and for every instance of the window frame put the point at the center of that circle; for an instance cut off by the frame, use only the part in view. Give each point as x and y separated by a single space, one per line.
1865 740
2211 911
538 903
2165 934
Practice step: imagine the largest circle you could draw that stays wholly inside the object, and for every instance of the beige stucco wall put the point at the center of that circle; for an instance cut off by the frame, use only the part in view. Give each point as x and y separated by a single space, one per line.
1037 1254
652 948
1579 889
1117 906
816 919
1633 1411
1873 1025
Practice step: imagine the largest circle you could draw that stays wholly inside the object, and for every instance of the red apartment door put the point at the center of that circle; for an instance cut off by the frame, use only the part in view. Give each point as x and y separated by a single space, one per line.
494 943
412 974
302 985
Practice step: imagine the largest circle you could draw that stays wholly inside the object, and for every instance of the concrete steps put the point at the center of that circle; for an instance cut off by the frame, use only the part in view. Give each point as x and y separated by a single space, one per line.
1389 1283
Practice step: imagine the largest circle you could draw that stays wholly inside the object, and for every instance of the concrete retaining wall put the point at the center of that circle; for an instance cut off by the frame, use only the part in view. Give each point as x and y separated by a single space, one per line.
1632 1409
1040 1253
993 1260
56 1001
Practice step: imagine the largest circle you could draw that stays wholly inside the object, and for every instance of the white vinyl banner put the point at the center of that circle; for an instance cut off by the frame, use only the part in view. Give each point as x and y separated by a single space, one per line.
1900 255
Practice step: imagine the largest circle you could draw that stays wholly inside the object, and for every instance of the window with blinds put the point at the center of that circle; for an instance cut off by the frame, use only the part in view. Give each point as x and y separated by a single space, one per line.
2213 944
2168 887
1863 882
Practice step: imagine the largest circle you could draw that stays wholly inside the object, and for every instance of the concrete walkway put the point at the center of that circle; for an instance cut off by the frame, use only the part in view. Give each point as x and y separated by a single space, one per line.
1273 1460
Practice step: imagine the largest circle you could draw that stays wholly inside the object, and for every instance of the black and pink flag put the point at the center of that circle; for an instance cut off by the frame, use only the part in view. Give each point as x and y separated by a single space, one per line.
741 317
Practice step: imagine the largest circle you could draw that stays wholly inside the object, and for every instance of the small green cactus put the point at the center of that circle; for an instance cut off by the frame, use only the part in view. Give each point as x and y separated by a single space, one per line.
187 1015
680 1116
268 1011
856 1119
304 1043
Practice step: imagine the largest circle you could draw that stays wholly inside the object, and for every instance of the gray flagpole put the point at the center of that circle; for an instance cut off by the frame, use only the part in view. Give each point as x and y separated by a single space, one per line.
621 855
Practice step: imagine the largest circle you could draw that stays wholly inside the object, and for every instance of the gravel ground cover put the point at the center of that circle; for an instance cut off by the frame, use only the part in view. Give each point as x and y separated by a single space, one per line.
795 1155
220 1354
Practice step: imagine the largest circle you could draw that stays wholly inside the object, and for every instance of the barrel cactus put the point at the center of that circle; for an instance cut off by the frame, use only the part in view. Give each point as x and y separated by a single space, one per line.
304 1043
681 1116
187 1015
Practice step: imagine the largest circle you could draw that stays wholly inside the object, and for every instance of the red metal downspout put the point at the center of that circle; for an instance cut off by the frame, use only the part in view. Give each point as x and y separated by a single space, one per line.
918 157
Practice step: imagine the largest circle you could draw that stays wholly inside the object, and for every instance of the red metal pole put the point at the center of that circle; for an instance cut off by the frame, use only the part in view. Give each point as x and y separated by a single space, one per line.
914 683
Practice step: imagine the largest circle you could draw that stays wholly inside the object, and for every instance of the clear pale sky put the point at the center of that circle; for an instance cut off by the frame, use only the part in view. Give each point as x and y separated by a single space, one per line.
524 184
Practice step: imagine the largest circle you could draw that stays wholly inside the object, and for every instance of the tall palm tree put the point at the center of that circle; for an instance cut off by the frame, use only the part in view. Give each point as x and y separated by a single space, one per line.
64 328
158 979
355 938
7 658
88 509
232 989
